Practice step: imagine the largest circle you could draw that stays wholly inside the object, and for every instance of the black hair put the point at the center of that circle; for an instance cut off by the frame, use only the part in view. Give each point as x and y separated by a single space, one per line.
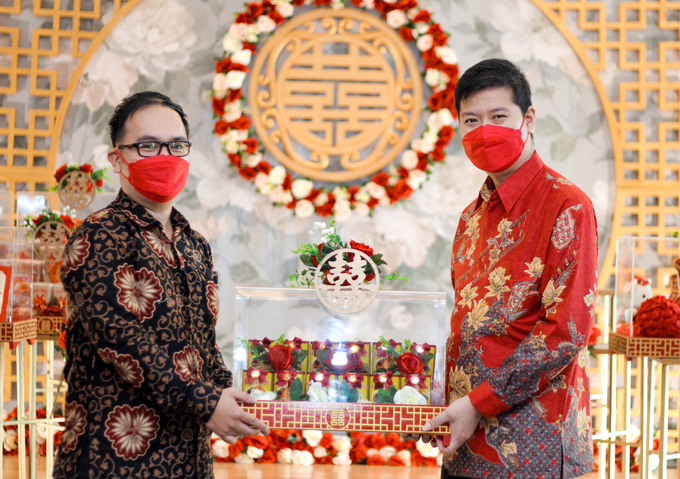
494 73
135 102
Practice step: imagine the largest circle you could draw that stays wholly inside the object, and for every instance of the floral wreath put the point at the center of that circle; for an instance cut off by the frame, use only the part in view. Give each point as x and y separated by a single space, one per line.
240 143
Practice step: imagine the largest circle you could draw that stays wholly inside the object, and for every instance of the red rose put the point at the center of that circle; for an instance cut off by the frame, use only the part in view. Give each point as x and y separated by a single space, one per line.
254 9
381 178
62 339
446 133
357 3
59 174
234 95
327 209
237 67
243 18
396 461
403 172
367 250
400 191
393 439
376 460
250 46
241 123
236 449
280 357
287 182
423 16
298 3
222 65
372 203
269 456
416 458
409 363
68 221
221 127
264 167
277 17
99 182
438 154
450 70
423 162
594 336
359 453
436 101
406 34
234 159
251 145
321 3
326 440
247 173
257 441
313 195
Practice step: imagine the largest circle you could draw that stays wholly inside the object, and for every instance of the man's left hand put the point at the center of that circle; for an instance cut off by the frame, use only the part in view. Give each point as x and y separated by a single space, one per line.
463 418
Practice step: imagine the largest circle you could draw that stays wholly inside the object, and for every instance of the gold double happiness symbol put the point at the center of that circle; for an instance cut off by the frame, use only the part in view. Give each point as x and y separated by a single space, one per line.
335 95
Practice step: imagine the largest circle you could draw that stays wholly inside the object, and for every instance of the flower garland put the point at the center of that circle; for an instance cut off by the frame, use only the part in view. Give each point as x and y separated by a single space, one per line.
316 447
98 176
10 445
233 126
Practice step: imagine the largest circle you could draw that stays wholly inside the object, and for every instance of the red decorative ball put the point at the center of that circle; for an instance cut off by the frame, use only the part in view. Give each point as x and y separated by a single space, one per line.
658 317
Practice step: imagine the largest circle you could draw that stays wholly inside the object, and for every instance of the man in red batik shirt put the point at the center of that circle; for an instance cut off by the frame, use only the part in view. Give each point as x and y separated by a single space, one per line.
524 273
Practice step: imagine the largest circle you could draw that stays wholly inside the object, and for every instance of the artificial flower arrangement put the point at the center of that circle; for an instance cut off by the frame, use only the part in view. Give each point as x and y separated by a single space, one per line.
10 445
67 217
311 254
98 176
233 126
325 371
303 447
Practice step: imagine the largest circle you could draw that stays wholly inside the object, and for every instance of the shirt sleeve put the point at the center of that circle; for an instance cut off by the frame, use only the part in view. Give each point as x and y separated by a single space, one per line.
568 291
112 301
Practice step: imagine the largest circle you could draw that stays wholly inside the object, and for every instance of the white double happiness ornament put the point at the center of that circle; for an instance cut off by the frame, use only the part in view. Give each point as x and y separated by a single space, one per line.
347 292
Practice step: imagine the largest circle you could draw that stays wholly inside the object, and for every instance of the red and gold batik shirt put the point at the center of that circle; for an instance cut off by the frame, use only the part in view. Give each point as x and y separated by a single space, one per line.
524 272
144 372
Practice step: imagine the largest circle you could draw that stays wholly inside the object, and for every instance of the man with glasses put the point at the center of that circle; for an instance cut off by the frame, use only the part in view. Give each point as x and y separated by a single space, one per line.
146 380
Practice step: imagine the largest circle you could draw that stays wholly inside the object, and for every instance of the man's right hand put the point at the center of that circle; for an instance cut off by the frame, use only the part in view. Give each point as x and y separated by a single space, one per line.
230 422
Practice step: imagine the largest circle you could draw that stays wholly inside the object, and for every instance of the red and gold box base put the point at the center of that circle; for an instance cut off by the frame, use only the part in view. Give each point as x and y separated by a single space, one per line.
650 347
366 417
18 331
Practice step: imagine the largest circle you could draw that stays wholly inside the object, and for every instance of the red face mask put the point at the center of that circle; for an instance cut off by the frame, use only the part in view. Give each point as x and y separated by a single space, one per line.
158 178
494 148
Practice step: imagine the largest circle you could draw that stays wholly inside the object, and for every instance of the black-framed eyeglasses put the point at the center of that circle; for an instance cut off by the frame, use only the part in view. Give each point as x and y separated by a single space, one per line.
153 148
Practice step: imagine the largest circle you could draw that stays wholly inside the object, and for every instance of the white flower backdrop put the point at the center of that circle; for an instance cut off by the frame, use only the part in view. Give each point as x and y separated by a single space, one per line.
170 46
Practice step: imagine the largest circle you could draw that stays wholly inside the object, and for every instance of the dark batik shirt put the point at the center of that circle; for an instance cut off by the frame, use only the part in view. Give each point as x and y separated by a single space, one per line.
144 372
524 272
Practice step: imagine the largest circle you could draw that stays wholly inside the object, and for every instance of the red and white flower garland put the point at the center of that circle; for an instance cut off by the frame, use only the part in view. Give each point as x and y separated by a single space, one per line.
386 187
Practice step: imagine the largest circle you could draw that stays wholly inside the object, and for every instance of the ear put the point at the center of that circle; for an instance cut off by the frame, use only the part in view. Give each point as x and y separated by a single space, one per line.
530 119
114 159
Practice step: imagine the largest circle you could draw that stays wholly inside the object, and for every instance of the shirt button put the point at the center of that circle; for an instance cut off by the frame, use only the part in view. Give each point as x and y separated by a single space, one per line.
188 435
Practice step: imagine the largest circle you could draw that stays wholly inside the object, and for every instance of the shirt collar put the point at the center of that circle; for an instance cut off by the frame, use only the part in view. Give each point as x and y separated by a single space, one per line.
511 189
140 215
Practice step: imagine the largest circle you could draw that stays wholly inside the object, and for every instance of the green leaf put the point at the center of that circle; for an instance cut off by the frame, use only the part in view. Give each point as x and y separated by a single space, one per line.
384 397
562 147
296 389
354 395
306 260
548 126
298 358
344 392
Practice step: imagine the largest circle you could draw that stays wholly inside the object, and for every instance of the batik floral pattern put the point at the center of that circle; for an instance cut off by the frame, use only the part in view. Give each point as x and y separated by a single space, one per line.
131 430
138 290
74 426
160 245
213 300
126 367
75 256
188 364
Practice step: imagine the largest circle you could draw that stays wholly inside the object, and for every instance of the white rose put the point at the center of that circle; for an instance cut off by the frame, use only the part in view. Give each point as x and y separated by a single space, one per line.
409 159
262 183
238 30
244 458
425 42
301 188
266 24
252 31
421 28
432 76
304 209
337 4
425 449
363 195
341 194
262 395
285 9
220 448
322 199
416 178
423 145
391 1
240 135
434 122
41 434
409 395
387 452
446 116
317 393
254 452
342 443
446 54
283 455
220 83
251 160
405 455
10 443
231 146
371 451
232 111
231 44
235 79
431 136
376 191
396 18
279 195
242 56
277 175
342 460
320 451
411 14
440 459
342 210
302 458
368 4
361 209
